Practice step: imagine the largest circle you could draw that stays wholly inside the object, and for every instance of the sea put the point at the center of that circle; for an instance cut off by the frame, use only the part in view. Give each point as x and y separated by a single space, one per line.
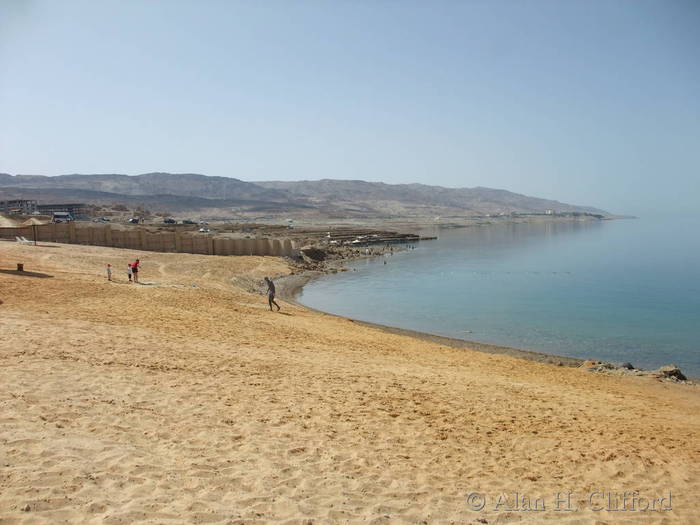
625 290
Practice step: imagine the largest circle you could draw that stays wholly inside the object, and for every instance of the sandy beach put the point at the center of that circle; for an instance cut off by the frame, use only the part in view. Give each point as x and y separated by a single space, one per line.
185 400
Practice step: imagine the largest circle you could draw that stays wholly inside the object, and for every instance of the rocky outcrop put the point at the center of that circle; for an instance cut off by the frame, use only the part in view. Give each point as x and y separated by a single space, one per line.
665 373
313 253
670 372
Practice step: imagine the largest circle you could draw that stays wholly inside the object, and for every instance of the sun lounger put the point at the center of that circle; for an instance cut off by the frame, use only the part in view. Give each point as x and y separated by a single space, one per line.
23 240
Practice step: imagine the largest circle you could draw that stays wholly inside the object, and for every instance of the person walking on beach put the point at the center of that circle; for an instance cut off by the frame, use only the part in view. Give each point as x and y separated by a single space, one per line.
129 271
135 270
271 293
109 272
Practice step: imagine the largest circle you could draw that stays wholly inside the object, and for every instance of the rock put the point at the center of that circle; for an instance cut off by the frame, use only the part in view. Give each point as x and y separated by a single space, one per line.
603 367
313 253
670 372
26 508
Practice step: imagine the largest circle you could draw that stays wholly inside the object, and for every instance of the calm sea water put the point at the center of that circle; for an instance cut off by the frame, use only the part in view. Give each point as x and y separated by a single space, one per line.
625 290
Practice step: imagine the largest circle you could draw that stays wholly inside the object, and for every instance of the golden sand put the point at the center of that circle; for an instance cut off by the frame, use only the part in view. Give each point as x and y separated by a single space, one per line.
173 403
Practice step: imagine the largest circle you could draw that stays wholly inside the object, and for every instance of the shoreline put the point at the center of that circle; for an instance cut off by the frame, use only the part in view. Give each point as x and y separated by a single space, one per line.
290 286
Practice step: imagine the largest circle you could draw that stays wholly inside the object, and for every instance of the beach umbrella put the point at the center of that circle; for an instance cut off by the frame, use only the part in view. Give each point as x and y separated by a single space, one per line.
34 222
7 221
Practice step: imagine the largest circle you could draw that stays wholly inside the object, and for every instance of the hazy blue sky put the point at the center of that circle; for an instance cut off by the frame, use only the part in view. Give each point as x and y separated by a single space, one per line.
590 102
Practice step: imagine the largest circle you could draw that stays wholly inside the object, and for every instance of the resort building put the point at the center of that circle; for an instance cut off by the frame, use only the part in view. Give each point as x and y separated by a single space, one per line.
75 210
18 207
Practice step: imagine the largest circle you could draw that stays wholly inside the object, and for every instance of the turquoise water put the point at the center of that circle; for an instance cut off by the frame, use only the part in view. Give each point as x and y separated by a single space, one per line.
625 290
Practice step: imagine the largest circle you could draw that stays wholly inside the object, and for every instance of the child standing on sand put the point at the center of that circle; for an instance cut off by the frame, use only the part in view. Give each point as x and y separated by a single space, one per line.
109 272
128 270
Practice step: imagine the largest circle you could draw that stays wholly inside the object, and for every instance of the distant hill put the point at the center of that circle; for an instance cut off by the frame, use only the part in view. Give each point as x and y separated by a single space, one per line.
407 197
181 184
156 203
327 197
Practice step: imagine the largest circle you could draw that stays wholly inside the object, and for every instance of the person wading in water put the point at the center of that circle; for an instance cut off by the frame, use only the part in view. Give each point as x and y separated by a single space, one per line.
271 294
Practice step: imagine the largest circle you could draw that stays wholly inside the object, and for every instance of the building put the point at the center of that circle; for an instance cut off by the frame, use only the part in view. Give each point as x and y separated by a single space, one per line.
75 210
18 207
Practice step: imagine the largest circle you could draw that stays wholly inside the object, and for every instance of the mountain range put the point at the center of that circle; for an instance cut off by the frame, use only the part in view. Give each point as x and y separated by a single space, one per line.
187 192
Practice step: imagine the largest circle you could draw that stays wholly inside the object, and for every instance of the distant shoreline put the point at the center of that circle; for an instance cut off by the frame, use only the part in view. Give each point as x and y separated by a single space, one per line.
411 224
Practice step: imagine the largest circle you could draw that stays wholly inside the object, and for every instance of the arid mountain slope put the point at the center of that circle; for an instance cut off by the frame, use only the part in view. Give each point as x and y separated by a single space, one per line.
180 184
378 195
336 198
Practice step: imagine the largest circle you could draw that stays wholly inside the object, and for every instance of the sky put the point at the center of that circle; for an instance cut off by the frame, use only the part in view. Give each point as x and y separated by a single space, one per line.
591 102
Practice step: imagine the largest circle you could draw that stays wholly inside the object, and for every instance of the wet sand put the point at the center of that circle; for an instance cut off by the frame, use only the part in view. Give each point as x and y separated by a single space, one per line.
185 400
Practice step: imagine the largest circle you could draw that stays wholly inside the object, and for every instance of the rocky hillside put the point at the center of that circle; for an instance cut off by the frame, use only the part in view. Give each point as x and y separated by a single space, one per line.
180 184
411 197
156 203
330 198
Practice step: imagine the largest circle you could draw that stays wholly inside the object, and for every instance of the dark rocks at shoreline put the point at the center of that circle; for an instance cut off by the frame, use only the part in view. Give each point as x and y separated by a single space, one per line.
665 373
671 372
313 253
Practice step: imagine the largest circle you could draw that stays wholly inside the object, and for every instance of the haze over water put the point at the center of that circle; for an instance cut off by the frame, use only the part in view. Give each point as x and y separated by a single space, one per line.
624 290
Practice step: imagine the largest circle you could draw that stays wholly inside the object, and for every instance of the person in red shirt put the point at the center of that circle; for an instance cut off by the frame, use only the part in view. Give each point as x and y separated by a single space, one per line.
135 270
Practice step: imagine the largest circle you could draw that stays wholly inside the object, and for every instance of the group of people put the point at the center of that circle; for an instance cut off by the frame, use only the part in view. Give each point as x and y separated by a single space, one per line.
133 274
132 271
